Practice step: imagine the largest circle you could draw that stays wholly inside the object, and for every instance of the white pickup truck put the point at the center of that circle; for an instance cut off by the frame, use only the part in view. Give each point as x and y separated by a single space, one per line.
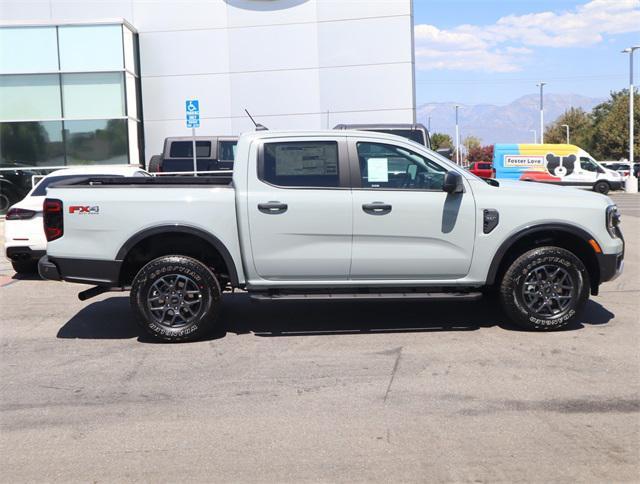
331 214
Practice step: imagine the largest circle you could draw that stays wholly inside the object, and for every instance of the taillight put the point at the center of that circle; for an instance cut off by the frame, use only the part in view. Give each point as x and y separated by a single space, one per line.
52 216
20 214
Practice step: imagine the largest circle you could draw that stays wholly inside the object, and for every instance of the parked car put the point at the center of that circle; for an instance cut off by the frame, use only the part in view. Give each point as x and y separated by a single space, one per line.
313 215
482 169
213 153
24 238
414 132
14 186
558 164
620 167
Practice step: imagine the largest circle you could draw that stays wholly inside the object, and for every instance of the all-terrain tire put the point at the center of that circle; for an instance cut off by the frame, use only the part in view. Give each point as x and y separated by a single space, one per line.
25 266
176 298
155 164
545 289
601 187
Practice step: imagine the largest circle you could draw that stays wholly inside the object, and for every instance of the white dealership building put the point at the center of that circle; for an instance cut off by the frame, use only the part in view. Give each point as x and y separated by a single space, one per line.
95 81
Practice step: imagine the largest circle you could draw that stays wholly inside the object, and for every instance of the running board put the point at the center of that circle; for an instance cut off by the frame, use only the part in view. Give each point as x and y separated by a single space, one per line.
430 296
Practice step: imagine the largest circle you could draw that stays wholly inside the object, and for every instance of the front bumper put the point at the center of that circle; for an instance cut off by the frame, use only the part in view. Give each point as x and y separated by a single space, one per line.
611 266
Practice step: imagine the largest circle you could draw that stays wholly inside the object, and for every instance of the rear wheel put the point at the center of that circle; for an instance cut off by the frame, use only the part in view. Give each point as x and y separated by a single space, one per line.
175 298
601 187
545 289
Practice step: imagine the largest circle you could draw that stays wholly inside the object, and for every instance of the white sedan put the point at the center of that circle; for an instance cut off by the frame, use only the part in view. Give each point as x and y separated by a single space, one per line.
24 238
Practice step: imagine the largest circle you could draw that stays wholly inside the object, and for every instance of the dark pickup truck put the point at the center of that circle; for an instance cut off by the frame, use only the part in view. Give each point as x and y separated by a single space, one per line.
413 132
213 153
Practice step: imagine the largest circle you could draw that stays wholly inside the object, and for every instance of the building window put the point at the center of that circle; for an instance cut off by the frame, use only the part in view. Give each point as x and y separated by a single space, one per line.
30 97
69 95
35 143
96 94
96 141
38 50
91 47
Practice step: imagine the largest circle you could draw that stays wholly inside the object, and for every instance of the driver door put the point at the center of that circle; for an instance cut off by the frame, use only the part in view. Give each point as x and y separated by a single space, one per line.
405 227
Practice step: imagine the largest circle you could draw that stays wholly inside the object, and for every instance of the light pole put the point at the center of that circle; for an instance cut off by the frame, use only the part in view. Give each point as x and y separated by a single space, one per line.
567 127
631 185
541 85
535 137
457 137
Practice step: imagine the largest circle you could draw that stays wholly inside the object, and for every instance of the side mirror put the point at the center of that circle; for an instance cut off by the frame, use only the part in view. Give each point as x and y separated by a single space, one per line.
453 182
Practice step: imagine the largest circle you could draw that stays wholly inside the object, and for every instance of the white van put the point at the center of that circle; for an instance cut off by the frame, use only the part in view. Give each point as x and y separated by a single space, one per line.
559 164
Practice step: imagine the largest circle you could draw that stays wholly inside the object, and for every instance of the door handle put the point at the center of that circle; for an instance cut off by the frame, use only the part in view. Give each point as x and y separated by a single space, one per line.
273 208
376 208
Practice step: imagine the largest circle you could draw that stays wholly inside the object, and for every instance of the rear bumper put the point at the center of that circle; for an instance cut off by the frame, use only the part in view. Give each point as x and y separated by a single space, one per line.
83 271
18 253
48 270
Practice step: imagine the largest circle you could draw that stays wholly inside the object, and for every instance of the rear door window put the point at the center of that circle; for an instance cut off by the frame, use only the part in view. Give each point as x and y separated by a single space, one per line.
301 164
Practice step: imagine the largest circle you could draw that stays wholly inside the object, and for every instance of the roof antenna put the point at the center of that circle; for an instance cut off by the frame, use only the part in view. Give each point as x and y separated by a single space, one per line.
259 127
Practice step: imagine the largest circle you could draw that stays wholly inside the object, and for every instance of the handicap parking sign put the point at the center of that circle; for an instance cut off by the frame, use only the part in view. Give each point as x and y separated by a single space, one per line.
192 110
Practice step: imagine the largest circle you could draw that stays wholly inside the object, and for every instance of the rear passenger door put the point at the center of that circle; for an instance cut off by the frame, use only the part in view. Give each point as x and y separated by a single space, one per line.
300 217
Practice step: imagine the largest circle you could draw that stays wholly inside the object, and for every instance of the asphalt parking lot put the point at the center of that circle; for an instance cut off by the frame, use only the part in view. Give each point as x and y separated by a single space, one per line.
339 391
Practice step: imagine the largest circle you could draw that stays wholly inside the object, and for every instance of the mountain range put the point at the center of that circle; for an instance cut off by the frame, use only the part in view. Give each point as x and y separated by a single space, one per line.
510 123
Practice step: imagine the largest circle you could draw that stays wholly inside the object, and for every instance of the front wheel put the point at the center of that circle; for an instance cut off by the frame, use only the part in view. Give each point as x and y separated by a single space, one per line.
175 298
545 289
601 187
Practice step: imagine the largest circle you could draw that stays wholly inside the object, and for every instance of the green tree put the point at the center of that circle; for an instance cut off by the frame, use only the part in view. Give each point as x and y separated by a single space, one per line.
441 140
611 127
581 128
471 142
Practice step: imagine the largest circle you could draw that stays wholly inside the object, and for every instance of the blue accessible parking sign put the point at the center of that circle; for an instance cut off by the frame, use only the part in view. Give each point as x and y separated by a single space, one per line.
192 109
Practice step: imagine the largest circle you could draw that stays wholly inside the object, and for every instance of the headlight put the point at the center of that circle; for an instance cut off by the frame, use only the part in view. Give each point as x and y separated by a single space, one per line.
613 221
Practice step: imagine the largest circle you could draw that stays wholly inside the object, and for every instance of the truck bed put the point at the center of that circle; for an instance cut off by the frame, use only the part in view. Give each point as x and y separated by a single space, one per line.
84 181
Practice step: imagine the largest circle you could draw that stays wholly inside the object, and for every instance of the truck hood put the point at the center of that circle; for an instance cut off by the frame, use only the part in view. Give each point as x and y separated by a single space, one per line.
546 190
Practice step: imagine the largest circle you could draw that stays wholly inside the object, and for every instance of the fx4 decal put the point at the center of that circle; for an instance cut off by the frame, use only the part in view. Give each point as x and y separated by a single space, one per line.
84 209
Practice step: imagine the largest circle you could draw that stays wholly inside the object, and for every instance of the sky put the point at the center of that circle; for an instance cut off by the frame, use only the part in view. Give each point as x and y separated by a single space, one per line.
494 51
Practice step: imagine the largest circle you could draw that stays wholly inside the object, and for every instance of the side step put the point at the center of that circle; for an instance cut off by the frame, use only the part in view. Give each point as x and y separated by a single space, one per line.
430 296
